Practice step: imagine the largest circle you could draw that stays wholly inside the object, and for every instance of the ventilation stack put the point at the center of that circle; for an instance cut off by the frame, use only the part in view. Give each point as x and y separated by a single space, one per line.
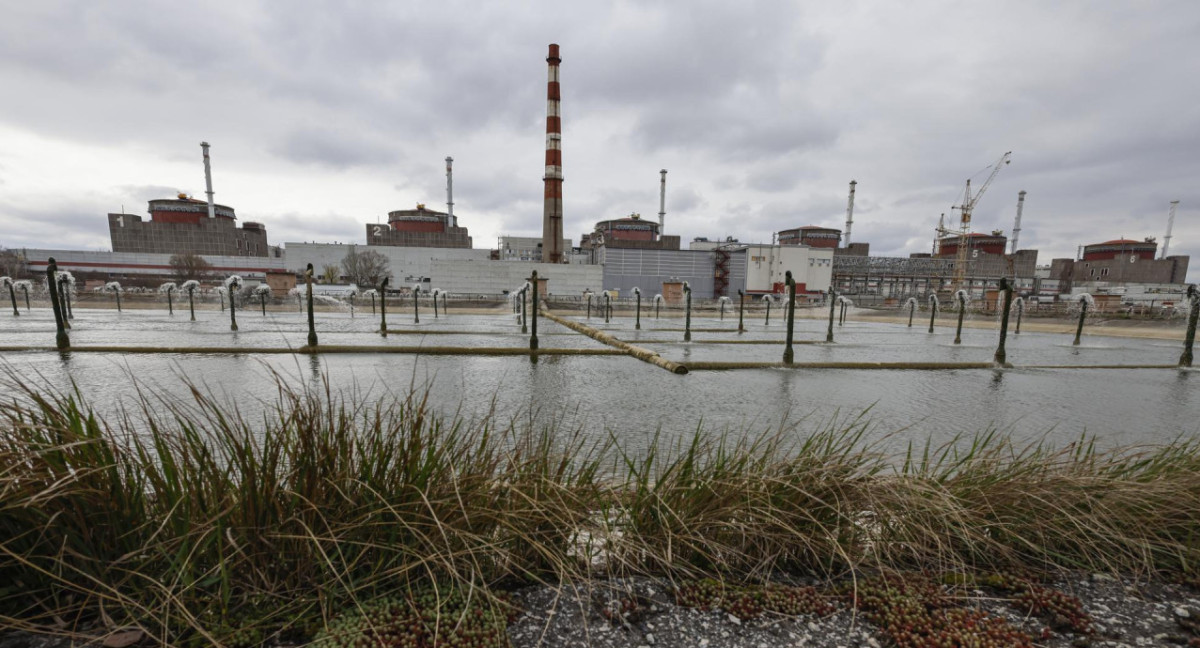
662 201
1170 226
212 210
1017 223
450 220
552 211
849 214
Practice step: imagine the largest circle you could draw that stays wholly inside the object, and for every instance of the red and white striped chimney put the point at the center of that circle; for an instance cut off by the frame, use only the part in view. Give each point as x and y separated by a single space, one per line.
552 212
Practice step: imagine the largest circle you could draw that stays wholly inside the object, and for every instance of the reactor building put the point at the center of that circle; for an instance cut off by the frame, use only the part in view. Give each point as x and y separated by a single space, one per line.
185 225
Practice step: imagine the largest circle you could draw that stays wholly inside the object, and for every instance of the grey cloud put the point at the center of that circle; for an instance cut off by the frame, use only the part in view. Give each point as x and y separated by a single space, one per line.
337 149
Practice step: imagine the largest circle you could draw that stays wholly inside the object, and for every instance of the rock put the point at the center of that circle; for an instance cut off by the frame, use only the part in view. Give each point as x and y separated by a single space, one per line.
813 626
1102 578
1182 612
734 620
649 638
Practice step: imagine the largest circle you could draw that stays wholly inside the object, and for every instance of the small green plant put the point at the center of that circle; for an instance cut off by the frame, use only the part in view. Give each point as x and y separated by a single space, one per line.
751 601
913 612
432 617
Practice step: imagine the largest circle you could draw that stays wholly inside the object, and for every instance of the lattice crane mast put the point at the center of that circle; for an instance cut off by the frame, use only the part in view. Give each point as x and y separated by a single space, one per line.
965 209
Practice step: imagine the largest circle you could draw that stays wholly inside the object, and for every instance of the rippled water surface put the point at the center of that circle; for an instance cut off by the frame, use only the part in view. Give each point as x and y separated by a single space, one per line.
633 399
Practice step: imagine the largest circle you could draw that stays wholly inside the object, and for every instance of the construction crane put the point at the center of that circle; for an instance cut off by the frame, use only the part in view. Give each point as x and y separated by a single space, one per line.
965 209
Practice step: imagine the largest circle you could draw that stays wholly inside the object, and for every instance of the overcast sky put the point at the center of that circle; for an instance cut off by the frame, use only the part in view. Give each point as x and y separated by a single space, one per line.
324 116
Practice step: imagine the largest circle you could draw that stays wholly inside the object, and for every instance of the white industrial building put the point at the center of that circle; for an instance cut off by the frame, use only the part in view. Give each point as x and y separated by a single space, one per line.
767 265
463 271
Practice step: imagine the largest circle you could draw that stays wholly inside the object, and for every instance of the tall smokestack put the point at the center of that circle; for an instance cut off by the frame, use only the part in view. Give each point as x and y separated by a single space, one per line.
849 214
1017 224
1170 226
552 211
212 210
662 201
450 220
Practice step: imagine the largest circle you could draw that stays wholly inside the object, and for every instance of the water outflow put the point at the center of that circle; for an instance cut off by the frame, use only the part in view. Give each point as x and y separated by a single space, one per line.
721 301
7 283
169 288
372 293
114 287
844 303
637 293
435 292
658 300
934 306
233 283
25 286
607 306
912 308
351 293
961 298
1085 301
262 291
588 296
1018 304
767 300
66 288
190 287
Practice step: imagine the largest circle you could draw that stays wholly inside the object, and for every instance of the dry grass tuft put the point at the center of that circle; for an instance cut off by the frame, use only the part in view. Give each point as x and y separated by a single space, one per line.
200 522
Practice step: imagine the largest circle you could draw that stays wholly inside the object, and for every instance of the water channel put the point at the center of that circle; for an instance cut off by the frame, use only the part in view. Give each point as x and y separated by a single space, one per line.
632 399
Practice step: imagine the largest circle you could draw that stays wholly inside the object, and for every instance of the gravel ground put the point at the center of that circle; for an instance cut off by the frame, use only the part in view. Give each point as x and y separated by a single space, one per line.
1125 614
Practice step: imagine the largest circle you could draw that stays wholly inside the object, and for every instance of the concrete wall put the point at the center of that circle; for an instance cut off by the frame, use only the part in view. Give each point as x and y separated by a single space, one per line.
626 268
128 263
495 277
452 270
210 236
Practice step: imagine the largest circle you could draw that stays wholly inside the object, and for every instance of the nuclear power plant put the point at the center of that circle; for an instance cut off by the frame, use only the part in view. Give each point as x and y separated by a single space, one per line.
425 246
183 224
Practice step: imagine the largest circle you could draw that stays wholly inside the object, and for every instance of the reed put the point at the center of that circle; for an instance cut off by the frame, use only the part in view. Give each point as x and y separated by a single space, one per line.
200 520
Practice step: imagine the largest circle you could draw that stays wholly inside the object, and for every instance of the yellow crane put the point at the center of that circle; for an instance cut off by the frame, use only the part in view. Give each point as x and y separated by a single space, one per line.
964 229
